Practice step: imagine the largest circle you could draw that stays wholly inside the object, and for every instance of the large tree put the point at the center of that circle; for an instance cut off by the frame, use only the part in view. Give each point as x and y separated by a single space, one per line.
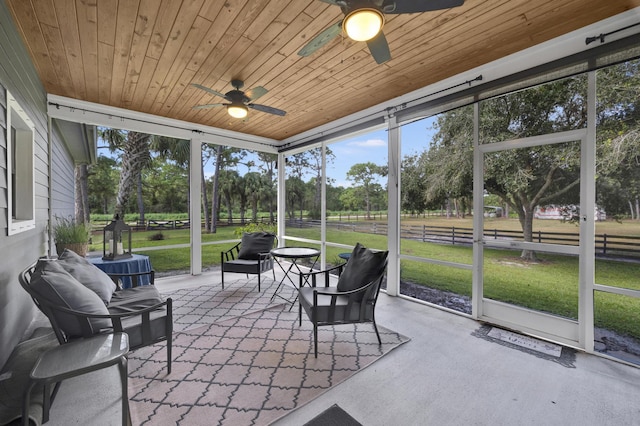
364 176
135 156
523 177
102 183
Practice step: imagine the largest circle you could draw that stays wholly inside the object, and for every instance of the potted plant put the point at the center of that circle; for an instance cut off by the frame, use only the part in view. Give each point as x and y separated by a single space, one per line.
72 235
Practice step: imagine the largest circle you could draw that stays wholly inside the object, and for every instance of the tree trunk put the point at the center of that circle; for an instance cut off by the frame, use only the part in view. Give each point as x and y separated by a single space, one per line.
637 208
215 197
229 210
82 213
526 220
135 155
205 198
141 218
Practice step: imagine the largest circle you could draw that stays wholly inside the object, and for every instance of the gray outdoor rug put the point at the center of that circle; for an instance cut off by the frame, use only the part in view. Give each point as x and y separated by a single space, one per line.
248 366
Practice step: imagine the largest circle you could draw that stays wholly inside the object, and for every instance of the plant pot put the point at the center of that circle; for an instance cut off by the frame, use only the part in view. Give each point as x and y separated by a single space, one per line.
79 248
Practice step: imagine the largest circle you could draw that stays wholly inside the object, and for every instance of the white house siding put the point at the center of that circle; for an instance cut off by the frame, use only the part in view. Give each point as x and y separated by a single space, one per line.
18 75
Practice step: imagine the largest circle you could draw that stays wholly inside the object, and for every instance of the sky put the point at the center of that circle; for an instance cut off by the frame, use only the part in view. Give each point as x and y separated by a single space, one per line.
369 147
364 148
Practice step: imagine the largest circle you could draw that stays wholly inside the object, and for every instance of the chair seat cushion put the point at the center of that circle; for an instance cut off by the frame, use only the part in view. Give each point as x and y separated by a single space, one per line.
88 274
245 266
342 313
134 299
255 243
364 266
57 287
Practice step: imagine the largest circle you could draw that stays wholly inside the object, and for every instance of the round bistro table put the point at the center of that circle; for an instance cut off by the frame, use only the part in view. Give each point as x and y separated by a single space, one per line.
292 255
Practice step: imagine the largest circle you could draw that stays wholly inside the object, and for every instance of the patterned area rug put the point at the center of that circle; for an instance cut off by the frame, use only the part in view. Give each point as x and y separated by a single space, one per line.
195 307
247 365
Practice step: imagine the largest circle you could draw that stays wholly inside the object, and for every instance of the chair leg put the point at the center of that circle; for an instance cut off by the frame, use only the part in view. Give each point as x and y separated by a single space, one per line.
259 274
315 339
169 345
223 279
26 403
125 393
375 327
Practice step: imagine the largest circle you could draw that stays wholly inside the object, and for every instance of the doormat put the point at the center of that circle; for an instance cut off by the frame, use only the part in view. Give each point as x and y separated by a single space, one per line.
541 349
333 416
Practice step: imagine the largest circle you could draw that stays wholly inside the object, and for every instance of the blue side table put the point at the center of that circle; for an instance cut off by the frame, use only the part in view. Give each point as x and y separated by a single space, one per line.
345 256
137 263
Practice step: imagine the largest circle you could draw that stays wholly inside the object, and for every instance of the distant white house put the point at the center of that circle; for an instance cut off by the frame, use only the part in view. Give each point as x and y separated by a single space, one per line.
565 212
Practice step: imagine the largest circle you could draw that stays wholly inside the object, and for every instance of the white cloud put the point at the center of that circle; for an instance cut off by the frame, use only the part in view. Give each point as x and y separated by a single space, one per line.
369 143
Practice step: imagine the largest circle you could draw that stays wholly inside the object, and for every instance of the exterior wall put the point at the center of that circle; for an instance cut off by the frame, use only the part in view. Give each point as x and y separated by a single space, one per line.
18 75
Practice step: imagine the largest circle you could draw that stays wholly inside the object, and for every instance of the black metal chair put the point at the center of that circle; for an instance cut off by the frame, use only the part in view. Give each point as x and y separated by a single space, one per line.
354 298
250 256
76 311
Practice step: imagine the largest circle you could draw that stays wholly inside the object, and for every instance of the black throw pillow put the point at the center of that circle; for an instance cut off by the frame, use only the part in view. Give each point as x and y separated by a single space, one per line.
363 266
255 243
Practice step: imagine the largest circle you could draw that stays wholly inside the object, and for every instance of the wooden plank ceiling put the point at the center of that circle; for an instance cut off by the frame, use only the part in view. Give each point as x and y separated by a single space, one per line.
143 55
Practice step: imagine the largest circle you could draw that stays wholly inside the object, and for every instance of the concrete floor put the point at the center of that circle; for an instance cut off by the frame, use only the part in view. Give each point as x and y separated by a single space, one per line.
443 376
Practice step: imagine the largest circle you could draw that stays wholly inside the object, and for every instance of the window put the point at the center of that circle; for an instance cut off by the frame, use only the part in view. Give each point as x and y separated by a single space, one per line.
20 173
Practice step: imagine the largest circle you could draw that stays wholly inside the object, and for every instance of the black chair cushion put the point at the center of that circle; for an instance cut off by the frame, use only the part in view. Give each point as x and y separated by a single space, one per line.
342 312
363 266
255 243
243 266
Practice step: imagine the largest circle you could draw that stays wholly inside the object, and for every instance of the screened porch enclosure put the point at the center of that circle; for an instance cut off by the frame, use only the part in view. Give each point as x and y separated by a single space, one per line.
461 191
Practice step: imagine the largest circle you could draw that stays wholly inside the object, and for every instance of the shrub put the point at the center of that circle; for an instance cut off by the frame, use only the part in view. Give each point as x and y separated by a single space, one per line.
158 236
256 227
68 231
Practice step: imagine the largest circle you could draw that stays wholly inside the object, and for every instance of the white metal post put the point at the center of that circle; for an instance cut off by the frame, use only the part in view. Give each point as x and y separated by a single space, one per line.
478 207
587 221
195 195
281 199
393 192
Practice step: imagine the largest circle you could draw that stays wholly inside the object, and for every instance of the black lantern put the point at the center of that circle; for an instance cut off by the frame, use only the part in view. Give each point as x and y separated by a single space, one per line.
116 240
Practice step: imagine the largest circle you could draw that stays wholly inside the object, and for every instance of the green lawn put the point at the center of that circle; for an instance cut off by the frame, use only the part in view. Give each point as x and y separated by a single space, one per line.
551 285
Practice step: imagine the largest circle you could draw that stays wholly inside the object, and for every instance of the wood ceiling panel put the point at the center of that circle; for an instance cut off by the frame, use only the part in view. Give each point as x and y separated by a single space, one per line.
125 31
27 23
148 13
87 19
145 54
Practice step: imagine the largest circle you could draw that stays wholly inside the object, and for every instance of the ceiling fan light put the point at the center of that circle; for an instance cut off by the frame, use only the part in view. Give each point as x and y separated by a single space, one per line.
363 24
237 111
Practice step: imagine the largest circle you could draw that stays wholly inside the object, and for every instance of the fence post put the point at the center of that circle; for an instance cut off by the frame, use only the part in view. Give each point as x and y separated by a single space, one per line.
453 235
604 244
539 236
424 233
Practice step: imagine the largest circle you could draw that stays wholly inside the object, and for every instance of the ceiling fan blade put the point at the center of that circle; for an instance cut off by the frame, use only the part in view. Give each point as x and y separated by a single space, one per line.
255 93
417 6
334 2
269 110
321 39
208 106
379 48
206 89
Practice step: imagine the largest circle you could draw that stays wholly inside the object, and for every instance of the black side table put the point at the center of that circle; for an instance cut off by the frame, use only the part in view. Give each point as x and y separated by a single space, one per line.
292 255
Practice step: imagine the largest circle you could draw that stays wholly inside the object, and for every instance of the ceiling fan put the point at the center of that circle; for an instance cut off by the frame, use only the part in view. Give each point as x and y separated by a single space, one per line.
364 20
239 101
